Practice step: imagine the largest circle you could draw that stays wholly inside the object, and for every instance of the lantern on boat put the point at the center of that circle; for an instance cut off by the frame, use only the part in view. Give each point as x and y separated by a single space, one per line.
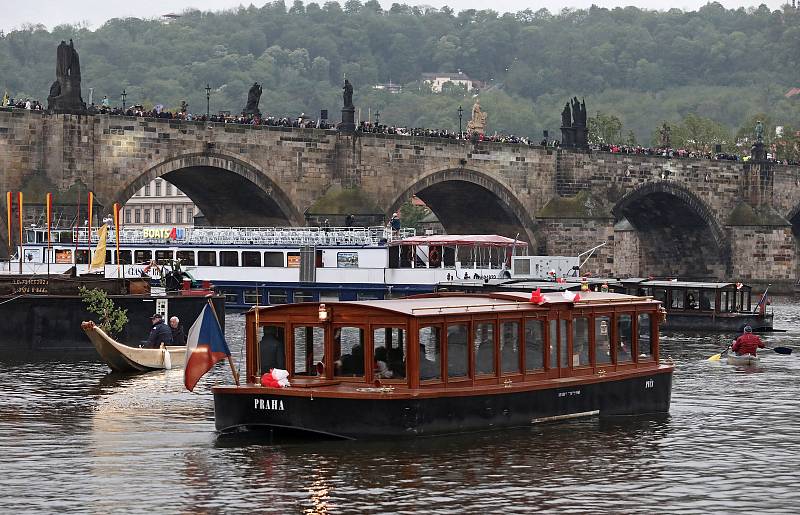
323 313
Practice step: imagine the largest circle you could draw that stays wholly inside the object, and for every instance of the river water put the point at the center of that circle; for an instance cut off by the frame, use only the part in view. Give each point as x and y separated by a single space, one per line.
76 439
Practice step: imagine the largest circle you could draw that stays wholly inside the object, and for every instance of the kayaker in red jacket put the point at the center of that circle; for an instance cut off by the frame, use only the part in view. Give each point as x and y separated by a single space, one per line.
748 343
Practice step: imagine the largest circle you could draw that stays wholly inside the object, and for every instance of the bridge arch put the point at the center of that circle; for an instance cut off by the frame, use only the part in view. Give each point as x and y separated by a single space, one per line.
229 190
678 233
469 202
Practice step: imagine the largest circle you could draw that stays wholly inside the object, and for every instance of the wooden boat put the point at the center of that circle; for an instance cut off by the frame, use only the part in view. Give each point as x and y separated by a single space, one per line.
448 363
742 359
123 358
694 306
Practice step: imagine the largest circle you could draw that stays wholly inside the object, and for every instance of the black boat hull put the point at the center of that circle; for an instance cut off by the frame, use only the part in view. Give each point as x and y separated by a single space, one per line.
386 417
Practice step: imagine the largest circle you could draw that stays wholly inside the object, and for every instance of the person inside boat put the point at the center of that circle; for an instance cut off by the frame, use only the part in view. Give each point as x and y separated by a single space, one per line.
428 368
747 343
159 333
178 333
381 367
272 349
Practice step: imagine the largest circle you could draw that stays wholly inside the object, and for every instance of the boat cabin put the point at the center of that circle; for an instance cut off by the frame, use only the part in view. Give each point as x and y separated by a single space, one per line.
454 340
693 296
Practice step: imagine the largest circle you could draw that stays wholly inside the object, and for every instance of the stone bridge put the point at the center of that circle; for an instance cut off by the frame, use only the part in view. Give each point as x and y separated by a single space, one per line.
656 216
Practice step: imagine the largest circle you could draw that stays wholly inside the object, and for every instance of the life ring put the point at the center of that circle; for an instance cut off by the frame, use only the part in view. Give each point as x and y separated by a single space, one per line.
435 259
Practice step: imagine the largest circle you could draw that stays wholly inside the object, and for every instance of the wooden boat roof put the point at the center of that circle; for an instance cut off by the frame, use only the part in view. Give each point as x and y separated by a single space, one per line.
455 303
680 284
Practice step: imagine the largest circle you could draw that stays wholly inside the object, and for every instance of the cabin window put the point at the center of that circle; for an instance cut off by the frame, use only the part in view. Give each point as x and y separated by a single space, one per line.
390 352
562 343
553 344
692 299
125 257
293 260
309 350
580 342
82 256
186 257
108 256
328 296
602 340
250 258
509 347
347 259
368 295
484 348
707 300
303 296
63 256
271 349
348 351
430 353
273 259
228 258
231 296
744 300
277 297
643 336
723 301
164 256
660 294
677 299
251 296
206 258
457 351
624 338
142 256
534 345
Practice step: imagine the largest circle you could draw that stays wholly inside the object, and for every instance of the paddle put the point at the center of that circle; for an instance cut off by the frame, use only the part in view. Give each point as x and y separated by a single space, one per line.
782 350
717 357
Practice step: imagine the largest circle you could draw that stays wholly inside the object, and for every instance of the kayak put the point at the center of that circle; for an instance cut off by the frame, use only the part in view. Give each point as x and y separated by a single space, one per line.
742 359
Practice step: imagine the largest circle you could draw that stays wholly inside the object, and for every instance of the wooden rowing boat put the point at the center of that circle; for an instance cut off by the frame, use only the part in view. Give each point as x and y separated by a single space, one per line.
742 359
123 358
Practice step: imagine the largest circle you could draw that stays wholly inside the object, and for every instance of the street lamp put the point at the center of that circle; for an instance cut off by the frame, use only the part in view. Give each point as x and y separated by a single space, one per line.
124 94
208 101
460 115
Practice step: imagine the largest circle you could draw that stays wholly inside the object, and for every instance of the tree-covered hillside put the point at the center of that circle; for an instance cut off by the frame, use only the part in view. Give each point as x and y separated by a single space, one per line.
643 66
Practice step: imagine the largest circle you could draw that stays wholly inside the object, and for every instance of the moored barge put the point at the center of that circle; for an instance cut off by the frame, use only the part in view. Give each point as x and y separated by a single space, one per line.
448 363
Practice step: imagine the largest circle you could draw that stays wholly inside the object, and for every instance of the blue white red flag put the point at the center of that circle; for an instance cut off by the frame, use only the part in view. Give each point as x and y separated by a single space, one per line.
205 345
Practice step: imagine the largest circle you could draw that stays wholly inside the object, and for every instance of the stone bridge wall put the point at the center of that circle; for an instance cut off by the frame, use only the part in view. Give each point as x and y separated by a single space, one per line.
563 201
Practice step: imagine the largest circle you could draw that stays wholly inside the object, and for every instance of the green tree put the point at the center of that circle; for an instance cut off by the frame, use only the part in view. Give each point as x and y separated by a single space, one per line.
112 318
604 128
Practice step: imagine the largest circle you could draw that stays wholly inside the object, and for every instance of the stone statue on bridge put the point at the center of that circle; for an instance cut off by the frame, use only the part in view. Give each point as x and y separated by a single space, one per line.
664 133
477 125
566 116
759 132
253 98
347 94
65 92
578 113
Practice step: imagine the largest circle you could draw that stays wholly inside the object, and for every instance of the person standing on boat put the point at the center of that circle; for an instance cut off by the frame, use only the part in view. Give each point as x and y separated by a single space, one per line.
178 334
159 333
747 343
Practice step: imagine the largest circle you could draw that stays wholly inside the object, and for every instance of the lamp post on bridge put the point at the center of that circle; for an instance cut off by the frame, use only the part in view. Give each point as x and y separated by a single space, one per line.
124 94
460 115
208 101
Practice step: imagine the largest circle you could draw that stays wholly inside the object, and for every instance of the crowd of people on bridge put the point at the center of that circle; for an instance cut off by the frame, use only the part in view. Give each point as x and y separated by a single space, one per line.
367 127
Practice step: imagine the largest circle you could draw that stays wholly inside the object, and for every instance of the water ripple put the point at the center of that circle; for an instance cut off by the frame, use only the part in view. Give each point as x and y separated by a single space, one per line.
77 439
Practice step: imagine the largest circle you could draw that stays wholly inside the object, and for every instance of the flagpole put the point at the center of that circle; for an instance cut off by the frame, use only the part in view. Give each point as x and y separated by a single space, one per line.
258 347
230 358
9 207
116 228
77 227
21 244
89 208
49 201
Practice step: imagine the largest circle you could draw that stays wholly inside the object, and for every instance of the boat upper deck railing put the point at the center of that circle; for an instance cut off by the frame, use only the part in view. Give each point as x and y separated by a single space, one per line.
266 236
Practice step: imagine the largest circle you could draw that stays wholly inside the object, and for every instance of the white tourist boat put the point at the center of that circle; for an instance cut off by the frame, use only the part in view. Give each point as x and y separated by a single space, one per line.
278 265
